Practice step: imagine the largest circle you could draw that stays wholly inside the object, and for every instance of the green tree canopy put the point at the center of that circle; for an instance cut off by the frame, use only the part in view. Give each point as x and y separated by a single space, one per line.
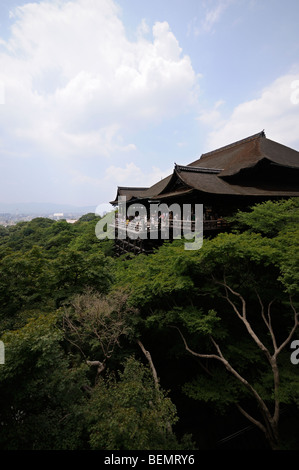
42 400
130 413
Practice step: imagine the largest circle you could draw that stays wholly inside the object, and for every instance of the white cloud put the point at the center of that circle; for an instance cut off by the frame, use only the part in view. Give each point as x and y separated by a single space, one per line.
2 93
274 110
143 28
122 176
128 175
74 83
132 175
211 117
212 16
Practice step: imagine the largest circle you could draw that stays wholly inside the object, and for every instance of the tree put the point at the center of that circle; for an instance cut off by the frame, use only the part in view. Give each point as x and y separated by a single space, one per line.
158 280
269 424
234 301
42 393
130 412
256 279
24 235
95 324
218 324
75 271
86 241
26 282
269 218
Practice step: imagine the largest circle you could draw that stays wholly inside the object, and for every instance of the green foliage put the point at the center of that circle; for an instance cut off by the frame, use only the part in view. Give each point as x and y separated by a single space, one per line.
157 279
26 280
198 322
269 217
220 391
53 236
89 217
130 413
41 394
288 255
43 263
65 301
75 271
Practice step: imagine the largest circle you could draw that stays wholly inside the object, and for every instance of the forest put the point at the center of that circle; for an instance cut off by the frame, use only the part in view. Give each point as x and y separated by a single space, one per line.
174 350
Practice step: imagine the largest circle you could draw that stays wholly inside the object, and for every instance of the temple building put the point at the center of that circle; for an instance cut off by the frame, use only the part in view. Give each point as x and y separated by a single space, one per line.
224 180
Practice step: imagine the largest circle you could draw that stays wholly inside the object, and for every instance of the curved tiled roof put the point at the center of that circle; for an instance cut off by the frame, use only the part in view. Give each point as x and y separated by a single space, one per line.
247 153
212 183
129 192
157 188
213 172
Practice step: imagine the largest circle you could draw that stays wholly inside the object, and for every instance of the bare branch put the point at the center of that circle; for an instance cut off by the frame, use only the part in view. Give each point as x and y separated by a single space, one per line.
268 322
71 327
244 319
251 419
149 358
208 356
228 366
262 309
296 314
101 365
94 316
154 373
227 287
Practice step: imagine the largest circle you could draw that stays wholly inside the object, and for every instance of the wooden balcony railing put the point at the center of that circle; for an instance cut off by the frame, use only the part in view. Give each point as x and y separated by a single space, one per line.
143 227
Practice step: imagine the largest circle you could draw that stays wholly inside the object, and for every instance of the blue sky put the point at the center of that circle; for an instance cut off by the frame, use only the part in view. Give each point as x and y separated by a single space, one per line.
100 93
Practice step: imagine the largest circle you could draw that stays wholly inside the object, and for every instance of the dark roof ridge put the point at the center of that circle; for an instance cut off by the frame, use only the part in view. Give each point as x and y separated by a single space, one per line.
234 144
131 187
198 169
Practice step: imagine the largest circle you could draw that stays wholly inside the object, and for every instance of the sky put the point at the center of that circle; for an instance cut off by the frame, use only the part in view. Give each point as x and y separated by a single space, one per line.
96 94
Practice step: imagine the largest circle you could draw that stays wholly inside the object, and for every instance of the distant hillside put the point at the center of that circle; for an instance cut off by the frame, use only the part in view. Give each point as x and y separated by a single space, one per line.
44 208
